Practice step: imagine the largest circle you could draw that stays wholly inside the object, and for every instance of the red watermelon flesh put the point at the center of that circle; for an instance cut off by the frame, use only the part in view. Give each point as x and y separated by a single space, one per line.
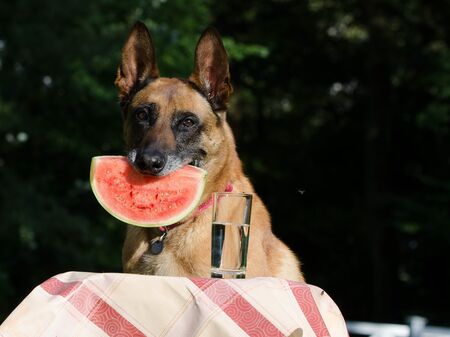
143 200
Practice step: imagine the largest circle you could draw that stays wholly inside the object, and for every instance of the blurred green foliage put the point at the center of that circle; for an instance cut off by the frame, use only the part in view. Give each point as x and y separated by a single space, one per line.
347 101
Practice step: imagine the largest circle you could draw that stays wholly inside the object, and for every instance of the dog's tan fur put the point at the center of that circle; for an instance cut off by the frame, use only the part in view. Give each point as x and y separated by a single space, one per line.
187 247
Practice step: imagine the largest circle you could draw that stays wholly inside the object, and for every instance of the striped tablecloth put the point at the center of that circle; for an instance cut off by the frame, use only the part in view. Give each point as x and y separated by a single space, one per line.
88 304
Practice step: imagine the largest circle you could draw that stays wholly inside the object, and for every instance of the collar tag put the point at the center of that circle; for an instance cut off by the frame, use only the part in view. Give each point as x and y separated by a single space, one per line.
157 244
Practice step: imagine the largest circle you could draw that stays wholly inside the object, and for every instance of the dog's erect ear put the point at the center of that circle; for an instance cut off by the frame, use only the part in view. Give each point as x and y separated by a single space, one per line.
138 60
211 73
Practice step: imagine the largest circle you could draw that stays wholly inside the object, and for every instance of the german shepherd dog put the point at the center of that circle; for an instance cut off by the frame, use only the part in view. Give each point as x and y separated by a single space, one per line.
172 122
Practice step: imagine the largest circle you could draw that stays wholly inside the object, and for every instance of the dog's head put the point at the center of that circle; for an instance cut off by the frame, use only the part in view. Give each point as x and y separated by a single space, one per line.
171 122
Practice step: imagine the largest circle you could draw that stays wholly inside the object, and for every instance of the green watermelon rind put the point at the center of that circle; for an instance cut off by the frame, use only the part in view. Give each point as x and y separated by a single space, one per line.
166 222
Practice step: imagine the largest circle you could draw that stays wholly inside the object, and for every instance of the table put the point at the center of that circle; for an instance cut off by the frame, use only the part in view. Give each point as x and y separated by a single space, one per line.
114 304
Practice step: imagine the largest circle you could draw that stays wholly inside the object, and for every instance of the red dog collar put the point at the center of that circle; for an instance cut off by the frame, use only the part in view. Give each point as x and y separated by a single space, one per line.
203 207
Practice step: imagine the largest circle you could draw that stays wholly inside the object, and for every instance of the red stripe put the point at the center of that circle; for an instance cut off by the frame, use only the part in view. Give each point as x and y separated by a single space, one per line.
55 287
305 300
242 312
93 307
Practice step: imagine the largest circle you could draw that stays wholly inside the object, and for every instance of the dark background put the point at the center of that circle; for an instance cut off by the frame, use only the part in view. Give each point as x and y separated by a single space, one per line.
345 100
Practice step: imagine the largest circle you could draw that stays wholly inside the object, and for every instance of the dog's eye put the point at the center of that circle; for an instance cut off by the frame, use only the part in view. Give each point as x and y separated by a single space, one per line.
141 115
188 122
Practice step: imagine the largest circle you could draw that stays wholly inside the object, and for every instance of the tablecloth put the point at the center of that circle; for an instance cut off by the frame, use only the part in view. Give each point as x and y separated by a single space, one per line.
113 304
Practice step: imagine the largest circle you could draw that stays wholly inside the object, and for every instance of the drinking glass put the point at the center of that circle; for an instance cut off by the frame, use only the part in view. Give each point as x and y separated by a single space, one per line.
230 234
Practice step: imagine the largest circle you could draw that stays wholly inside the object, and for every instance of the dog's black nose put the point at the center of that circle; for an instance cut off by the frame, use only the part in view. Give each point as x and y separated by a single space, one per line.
152 163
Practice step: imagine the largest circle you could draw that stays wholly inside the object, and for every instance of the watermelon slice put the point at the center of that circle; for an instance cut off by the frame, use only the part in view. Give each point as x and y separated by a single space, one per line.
142 200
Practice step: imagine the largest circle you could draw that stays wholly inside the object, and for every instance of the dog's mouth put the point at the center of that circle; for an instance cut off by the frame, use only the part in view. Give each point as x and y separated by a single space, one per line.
196 163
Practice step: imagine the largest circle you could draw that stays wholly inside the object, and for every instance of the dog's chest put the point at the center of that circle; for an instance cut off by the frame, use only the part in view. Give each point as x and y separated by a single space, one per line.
185 252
